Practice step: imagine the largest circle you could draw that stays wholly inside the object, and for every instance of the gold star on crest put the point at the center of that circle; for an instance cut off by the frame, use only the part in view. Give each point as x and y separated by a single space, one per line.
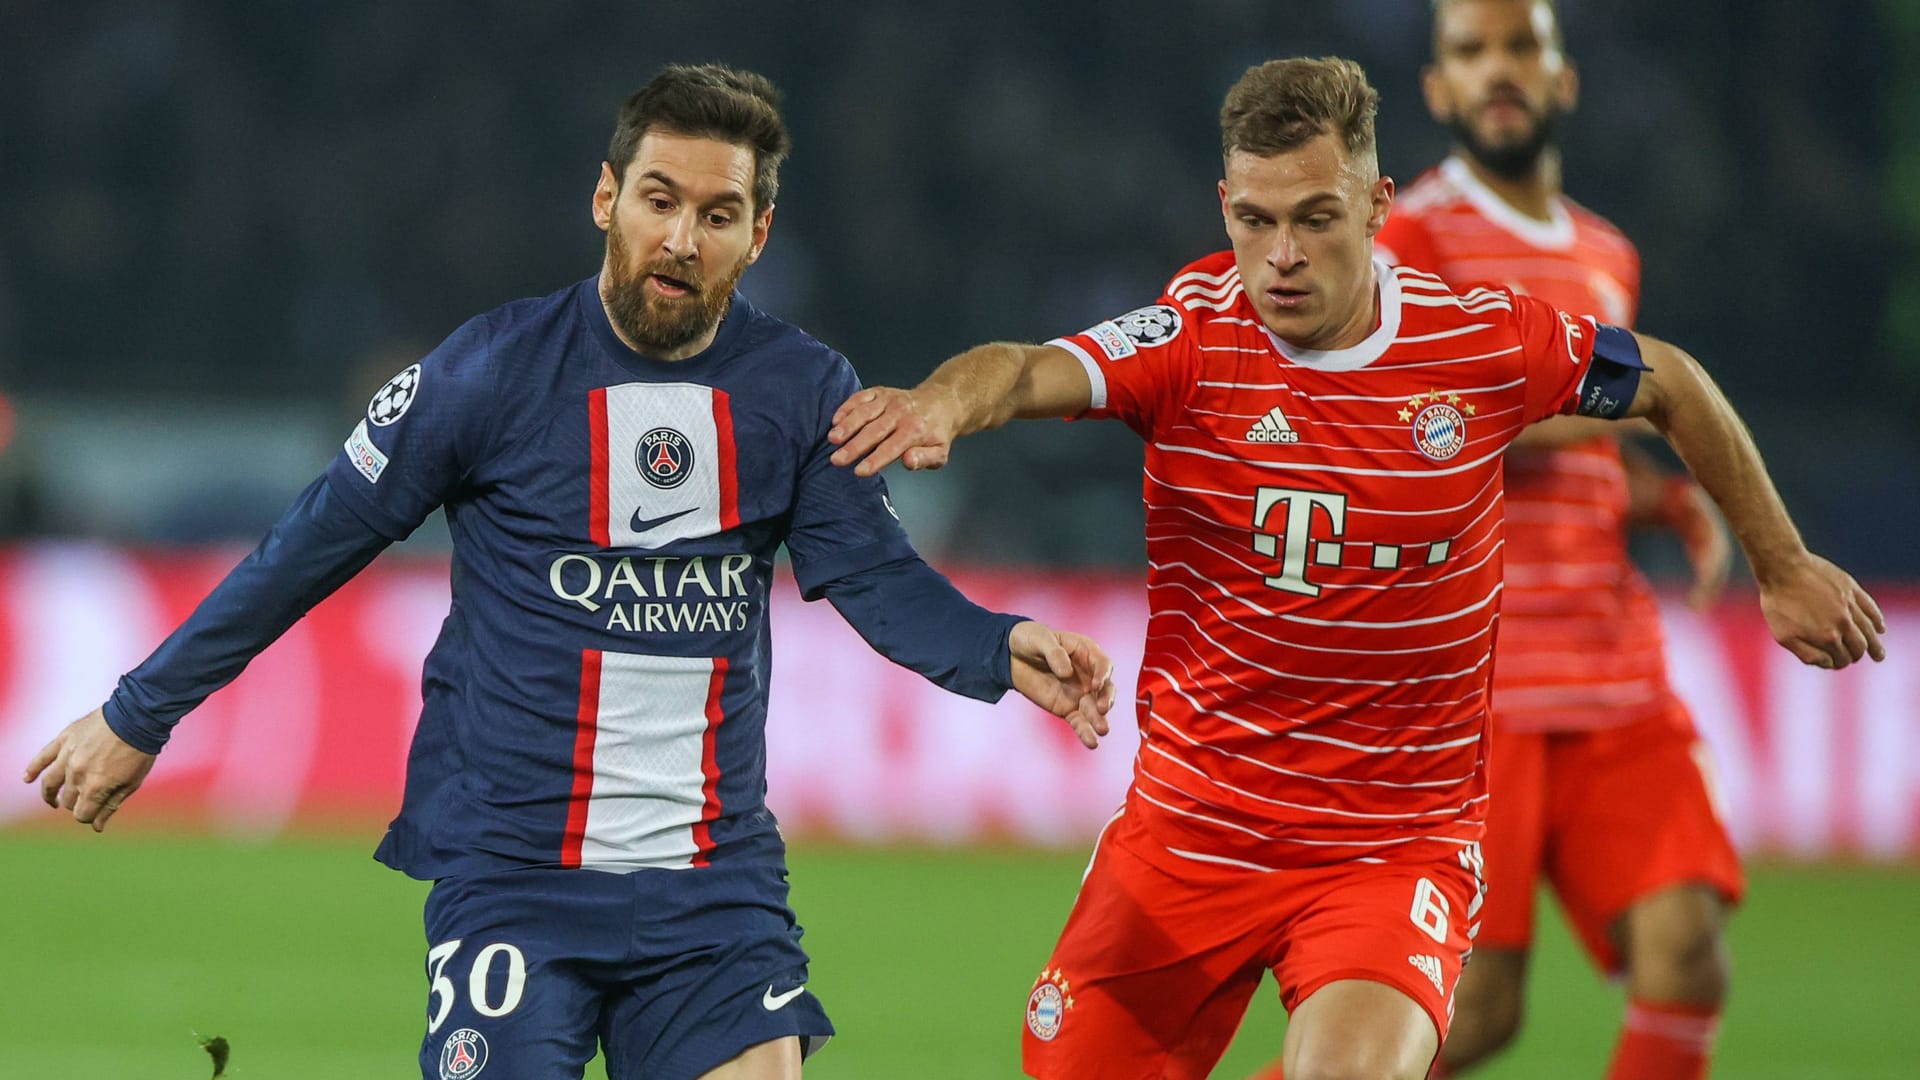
1416 401
1433 395
1406 415
1069 1001
1063 986
1453 399
1468 407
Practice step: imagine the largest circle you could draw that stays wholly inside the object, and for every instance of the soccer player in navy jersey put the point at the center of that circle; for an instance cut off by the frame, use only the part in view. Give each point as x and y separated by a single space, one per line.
619 462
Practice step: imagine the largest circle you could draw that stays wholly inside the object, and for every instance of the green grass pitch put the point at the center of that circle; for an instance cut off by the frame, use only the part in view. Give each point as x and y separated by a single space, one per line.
307 956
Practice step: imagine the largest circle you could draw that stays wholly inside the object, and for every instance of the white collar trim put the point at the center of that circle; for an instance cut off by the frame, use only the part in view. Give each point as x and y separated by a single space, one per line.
1368 350
1554 234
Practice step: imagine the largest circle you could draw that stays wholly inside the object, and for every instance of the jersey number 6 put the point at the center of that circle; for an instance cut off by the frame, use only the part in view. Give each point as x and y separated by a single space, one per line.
1430 910
443 991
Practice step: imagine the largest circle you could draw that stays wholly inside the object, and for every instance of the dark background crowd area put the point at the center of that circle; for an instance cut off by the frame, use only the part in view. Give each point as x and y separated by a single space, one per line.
261 209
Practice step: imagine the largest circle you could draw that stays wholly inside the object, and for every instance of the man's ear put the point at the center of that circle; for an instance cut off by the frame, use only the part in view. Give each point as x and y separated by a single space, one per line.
761 226
604 193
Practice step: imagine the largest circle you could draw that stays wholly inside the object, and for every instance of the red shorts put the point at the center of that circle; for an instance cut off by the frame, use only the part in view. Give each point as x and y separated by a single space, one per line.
1161 953
1607 818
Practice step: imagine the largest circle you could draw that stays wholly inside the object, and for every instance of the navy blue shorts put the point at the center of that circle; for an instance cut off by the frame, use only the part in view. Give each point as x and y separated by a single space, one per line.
672 972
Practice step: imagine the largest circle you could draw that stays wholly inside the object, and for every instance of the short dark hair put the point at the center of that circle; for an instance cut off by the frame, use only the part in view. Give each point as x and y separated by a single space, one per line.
708 101
1282 105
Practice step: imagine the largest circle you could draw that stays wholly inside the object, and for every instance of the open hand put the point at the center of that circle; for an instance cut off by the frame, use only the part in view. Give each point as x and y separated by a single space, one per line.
881 425
87 769
1066 674
1821 615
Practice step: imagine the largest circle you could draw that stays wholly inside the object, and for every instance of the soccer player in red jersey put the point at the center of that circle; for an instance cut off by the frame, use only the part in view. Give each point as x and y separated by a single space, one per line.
1598 784
1324 535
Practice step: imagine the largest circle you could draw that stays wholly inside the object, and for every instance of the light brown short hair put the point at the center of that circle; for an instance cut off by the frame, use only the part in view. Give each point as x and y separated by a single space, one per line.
1282 105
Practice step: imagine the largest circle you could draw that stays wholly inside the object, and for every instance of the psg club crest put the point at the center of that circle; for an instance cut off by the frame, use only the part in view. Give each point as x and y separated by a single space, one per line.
464 1055
1439 423
1048 1005
665 457
391 401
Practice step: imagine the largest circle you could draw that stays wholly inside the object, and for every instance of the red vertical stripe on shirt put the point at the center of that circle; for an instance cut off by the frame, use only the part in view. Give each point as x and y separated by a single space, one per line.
723 438
587 726
709 764
600 481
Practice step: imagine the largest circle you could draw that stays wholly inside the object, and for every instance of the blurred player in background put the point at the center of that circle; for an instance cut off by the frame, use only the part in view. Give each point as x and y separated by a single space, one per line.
1323 522
619 463
1600 783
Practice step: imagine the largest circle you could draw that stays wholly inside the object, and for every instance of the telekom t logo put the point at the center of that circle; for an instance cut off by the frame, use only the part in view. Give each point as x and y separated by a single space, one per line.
1295 533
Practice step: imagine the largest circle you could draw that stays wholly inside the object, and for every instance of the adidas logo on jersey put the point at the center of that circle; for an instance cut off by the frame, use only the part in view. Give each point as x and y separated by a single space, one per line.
1430 967
1273 428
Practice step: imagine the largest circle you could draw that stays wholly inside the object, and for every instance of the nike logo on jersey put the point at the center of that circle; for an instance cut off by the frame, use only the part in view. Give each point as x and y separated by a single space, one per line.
1272 428
640 524
772 1001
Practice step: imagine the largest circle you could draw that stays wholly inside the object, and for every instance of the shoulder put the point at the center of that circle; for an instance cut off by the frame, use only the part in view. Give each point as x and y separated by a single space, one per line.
1429 193
786 351
1598 231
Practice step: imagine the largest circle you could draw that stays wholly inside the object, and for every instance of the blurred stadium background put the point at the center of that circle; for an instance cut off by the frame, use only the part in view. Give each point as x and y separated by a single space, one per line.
222 224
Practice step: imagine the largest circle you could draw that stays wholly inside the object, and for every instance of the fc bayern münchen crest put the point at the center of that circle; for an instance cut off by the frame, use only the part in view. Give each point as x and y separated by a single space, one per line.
1048 1004
665 457
391 401
1439 431
1150 325
464 1055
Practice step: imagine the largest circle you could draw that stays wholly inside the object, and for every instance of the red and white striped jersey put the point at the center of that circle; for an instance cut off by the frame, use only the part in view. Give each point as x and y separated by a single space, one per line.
1324 543
1572 593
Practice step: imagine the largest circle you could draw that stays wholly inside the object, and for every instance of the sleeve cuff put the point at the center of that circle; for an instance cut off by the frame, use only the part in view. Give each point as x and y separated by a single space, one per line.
134 728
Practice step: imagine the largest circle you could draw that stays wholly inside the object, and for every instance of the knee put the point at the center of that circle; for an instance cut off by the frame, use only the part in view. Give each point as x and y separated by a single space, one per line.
1356 1063
1482 1027
1677 952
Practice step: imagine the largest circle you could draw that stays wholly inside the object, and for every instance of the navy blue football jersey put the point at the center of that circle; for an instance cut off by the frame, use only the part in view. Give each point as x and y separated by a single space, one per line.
598 693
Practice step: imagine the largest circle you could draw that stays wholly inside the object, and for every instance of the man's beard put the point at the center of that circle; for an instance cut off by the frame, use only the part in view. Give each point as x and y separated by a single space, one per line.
657 325
1514 159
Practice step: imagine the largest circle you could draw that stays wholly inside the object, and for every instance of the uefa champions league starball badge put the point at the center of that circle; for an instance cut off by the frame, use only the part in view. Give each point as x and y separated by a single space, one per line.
1439 423
391 401
1049 1003
463 1055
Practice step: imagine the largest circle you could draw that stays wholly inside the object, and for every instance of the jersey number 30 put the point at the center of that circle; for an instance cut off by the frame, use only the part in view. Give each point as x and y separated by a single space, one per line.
443 992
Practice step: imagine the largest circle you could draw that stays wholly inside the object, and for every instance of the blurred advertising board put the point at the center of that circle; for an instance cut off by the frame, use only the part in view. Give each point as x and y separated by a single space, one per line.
1810 763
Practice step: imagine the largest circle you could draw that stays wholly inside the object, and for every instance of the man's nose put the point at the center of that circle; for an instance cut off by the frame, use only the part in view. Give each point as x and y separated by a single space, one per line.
679 241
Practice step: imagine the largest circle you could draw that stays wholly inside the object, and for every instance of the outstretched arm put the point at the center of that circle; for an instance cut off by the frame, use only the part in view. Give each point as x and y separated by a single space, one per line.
101 758
978 390
913 616
1815 609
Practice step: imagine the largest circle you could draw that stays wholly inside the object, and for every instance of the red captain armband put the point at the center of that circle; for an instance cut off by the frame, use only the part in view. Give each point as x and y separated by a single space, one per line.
1613 377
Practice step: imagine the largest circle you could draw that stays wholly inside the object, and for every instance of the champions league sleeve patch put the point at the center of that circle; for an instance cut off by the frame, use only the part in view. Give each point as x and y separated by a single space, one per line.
1150 326
392 401
366 457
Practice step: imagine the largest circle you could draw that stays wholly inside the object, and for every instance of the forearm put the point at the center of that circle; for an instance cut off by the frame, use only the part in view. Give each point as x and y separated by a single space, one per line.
914 617
981 388
312 550
1695 417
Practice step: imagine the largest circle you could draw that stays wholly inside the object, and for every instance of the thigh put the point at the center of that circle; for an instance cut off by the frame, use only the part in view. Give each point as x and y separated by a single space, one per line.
1150 976
1406 927
508 963
1358 1027
1633 815
1515 841
717 973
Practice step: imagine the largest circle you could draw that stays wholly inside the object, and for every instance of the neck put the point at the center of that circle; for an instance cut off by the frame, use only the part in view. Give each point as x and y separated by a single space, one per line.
691 349
1531 194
